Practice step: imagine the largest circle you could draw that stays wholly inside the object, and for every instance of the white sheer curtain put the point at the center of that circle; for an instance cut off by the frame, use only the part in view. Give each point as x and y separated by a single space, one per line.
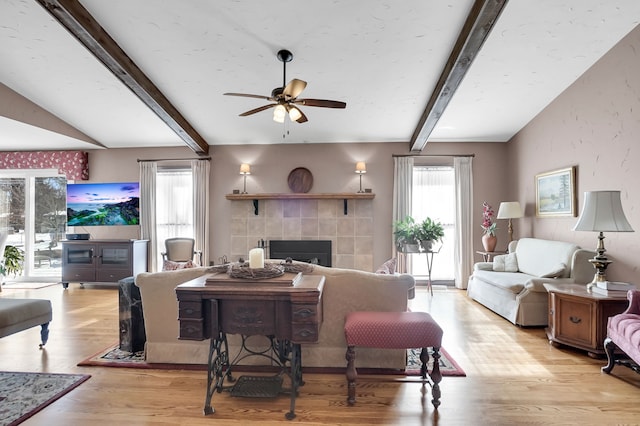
402 193
434 197
148 171
174 215
201 170
464 222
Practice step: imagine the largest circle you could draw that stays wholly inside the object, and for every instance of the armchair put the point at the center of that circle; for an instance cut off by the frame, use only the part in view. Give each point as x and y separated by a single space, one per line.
623 332
181 250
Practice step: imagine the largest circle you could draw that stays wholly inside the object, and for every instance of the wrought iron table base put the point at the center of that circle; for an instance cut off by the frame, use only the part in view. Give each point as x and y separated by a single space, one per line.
280 352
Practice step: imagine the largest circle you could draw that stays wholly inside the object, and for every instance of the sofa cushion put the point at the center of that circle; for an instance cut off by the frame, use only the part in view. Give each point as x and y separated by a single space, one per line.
556 272
505 263
540 257
388 267
170 265
512 281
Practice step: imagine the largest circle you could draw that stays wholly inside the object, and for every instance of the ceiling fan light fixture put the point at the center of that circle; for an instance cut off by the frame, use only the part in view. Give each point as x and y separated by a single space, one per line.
294 113
279 113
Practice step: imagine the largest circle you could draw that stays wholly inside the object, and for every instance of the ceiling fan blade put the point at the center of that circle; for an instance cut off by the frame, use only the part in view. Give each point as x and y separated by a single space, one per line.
247 95
294 88
253 111
324 103
302 119
295 114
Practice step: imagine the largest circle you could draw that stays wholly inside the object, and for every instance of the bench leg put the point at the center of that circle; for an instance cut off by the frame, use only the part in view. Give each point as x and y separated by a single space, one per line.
44 334
610 349
435 375
352 374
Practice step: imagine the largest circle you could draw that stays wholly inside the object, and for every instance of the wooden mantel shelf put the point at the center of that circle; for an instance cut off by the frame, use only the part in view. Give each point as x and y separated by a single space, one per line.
303 196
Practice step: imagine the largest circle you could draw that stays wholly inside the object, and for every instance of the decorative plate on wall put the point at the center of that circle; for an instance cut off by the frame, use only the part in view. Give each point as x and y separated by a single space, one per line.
300 180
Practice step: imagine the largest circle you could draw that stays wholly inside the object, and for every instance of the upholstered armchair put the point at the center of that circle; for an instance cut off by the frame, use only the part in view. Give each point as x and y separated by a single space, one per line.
181 250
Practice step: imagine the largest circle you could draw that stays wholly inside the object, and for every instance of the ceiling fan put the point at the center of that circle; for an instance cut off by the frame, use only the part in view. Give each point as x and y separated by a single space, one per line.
285 98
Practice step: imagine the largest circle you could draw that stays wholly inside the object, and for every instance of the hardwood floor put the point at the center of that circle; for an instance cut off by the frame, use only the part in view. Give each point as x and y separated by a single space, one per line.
514 376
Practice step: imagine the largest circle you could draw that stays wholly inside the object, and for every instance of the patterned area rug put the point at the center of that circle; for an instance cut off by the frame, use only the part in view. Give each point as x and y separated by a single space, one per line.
24 394
114 357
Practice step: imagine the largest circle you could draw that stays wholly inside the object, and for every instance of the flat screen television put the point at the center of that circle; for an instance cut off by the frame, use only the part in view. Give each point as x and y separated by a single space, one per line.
100 204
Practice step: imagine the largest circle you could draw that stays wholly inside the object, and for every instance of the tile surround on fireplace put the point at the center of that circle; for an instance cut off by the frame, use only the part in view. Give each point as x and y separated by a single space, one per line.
306 219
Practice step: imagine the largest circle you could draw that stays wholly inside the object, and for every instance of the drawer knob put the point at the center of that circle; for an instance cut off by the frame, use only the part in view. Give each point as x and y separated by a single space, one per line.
575 320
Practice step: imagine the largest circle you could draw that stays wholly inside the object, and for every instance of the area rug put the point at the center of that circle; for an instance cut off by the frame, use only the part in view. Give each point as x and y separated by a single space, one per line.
27 286
24 394
114 357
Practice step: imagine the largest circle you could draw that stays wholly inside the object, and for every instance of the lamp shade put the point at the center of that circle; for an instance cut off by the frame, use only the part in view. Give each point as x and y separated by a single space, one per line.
602 212
509 210
245 169
361 167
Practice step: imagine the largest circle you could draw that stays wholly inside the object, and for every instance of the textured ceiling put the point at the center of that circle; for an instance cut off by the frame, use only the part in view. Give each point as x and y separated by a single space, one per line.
383 58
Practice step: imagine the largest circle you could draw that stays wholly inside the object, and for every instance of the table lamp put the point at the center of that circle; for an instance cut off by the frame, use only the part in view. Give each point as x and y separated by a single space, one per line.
602 212
361 168
245 170
510 210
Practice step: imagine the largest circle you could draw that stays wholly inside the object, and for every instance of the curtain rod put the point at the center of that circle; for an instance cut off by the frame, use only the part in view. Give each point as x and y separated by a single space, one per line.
173 159
434 155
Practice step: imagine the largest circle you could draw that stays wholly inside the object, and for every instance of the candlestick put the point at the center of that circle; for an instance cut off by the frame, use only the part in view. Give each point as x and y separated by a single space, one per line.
256 258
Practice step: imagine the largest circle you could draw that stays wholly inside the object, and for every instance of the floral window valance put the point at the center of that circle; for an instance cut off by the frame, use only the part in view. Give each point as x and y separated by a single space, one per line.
73 164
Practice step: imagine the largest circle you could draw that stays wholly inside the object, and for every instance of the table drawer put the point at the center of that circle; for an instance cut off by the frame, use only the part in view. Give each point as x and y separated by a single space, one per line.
306 314
305 333
112 275
575 321
189 309
191 329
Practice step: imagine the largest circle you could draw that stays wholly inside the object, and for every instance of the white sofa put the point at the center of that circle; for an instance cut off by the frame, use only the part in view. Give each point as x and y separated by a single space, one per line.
519 295
345 290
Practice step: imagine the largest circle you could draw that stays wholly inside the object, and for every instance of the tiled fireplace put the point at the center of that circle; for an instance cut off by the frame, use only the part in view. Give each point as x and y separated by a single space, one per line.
351 235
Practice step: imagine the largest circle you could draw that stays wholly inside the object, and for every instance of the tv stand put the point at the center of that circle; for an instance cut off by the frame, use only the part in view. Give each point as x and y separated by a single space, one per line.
102 261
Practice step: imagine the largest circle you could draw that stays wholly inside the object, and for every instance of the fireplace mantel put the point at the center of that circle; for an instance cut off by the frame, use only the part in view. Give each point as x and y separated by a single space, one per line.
302 196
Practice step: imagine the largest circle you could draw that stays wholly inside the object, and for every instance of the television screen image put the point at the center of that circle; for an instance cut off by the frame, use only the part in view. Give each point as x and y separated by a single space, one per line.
99 204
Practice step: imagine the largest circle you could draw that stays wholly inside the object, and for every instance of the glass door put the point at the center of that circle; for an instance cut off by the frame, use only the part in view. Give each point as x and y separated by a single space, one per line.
33 214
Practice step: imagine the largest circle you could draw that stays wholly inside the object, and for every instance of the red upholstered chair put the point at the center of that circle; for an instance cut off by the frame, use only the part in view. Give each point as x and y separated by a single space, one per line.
393 330
623 332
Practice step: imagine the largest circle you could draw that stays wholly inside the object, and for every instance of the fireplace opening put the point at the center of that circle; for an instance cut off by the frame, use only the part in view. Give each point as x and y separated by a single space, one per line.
311 251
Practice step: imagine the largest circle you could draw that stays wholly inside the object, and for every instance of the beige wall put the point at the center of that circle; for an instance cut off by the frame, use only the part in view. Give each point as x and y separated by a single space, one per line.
594 125
332 166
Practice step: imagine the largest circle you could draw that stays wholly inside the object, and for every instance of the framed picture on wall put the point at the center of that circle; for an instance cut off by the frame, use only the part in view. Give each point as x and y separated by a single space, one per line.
556 193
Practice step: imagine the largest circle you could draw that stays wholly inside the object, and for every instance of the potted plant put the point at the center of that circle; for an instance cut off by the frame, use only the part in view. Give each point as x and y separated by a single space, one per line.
12 262
407 235
429 231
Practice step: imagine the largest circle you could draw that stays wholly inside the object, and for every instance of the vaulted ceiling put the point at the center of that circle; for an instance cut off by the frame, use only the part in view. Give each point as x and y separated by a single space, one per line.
409 71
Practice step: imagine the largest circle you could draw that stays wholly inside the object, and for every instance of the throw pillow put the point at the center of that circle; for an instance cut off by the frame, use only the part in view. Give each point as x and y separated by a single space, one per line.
556 272
170 265
505 263
388 267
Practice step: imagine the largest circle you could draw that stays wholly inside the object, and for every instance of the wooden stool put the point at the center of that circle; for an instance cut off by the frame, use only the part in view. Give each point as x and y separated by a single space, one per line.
393 330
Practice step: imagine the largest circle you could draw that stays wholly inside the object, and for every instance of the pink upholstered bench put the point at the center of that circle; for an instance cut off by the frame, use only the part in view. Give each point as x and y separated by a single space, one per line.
393 330
623 332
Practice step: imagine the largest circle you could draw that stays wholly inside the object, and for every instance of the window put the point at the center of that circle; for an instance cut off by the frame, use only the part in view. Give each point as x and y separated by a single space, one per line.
33 213
434 197
174 205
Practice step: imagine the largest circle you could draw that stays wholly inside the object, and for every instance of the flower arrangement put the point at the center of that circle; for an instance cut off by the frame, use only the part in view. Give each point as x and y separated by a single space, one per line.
488 225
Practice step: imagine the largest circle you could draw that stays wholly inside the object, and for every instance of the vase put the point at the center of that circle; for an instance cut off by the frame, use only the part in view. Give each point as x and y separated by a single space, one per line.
489 242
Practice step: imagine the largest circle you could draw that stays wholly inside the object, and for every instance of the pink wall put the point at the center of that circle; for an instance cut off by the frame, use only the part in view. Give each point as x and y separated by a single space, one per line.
594 125
332 166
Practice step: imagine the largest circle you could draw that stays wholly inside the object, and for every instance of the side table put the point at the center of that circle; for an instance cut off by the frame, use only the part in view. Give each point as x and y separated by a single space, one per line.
132 334
578 318
487 256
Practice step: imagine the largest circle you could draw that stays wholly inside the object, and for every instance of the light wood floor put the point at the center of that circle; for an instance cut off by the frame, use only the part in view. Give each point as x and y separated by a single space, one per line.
513 376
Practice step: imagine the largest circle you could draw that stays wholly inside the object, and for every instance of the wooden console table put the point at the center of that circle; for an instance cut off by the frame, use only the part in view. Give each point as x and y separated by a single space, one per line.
212 306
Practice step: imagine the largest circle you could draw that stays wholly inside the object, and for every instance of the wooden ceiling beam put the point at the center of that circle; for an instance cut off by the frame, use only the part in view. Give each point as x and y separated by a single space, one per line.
483 16
79 22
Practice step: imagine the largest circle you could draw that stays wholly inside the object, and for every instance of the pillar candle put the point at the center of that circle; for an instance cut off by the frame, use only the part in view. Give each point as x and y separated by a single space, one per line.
256 258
